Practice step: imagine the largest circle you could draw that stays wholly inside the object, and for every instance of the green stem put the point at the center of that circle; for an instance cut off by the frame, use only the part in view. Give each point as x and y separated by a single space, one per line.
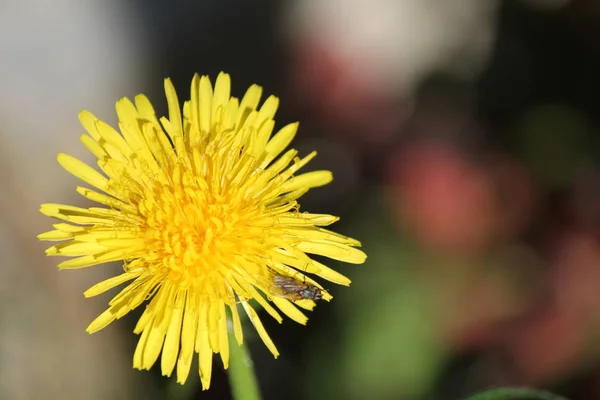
242 379
515 394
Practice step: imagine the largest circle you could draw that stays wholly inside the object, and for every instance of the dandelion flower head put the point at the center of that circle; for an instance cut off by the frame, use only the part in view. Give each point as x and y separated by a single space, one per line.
202 209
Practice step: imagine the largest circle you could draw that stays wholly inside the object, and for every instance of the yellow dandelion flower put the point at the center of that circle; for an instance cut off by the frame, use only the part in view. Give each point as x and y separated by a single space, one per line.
202 208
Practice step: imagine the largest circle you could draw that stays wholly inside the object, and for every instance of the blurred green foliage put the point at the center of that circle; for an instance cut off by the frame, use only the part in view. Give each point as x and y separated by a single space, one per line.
385 344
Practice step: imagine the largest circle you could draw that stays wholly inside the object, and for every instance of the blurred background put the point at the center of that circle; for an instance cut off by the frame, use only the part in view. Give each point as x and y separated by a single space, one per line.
464 140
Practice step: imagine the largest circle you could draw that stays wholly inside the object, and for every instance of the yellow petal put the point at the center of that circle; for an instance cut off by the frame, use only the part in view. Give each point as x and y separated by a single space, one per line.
79 262
222 92
76 214
214 313
106 200
55 235
202 328
262 137
248 104
73 248
237 324
305 304
69 228
307 181
108 284
223 340
172 340
205 103
203 348
188 338
146 110
83 171
319 234
153 346
138 355
92 146
129 124
173 104
280 141
268 109
231 113
333 250
101 321
268 308
288 309
112 141
88 121
260 328
327 273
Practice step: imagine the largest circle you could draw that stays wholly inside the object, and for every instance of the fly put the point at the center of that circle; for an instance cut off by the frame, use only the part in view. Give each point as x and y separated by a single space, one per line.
294 290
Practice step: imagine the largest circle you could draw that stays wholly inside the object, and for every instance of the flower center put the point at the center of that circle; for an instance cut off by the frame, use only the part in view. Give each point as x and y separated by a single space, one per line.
196 230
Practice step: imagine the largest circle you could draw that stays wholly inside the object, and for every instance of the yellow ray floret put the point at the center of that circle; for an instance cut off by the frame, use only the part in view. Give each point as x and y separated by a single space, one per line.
202 208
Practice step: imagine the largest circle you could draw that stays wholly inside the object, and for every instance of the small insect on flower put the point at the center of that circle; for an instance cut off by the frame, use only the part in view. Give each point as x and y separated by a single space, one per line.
294 289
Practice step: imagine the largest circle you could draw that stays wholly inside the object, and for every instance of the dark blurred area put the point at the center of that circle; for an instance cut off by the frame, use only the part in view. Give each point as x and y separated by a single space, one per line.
464 140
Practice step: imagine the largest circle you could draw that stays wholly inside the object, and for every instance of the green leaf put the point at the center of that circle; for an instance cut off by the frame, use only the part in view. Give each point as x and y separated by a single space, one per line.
515 394
242 379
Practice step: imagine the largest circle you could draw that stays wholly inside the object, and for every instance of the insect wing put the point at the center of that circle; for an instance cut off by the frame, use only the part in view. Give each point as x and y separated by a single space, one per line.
287 287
